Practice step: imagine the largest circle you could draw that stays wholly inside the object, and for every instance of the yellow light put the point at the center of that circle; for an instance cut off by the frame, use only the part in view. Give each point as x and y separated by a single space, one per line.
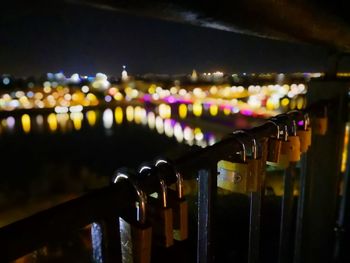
164 111
152 89
52 121
26 123
197 109
130 113
118 115
118 96
138 114
345 148
183 111
213 110
77 118
292 104
91 117
285 102
227 111
300 103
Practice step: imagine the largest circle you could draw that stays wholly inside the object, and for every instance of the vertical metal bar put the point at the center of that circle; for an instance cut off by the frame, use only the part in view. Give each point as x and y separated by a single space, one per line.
303 186
97 245
341 252
105 237
323 167
255 210
254 227
286 214
205 211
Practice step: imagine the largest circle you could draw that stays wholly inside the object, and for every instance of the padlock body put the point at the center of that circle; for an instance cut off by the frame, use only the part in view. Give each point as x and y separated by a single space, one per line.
161 219
320 125
294 148
136 242
274 150
254 175
180 215
232 176
305 139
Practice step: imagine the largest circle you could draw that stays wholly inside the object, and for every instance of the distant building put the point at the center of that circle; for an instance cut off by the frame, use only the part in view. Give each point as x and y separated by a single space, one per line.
125 76
194 76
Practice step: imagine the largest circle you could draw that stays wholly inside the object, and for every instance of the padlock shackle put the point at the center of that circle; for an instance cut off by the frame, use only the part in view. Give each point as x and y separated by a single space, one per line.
162 183
285 132
254 144
179 177
142 197
277 128
306 121
294 128
243 150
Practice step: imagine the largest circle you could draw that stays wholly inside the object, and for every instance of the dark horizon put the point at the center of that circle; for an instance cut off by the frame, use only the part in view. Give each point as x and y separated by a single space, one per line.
76 38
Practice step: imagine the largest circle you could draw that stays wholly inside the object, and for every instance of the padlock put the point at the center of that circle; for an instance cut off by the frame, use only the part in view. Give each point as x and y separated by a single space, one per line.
294 150
135 234
160 215
177 201
274 146
254 163
320 123
233 173
304 135
285 150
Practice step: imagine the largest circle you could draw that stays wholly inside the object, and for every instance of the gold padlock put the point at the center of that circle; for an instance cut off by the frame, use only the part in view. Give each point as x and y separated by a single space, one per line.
320 124
135 234
274 146
177 201
233 173
254 174
160 215
294 150
285 149
304 135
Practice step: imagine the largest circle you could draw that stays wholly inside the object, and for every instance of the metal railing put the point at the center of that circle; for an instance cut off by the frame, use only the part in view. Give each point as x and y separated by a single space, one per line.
106 205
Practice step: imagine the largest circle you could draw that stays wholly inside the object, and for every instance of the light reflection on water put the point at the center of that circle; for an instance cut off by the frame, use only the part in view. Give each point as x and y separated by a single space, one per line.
158 120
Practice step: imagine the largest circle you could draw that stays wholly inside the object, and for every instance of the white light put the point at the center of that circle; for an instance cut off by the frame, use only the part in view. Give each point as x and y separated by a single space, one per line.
107 118
6 81
77 108
85 89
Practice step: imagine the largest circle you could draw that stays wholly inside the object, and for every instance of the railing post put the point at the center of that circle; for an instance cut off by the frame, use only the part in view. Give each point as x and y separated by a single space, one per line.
206 195
255 210
323 169
105 238
341 253
284 254
303 186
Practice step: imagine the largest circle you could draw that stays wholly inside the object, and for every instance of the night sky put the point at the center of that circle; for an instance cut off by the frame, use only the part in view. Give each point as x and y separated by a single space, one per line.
74 38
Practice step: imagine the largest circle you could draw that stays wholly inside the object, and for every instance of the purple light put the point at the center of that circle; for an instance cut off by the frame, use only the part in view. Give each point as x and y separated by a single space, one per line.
147 97
300 123
170 99
247 112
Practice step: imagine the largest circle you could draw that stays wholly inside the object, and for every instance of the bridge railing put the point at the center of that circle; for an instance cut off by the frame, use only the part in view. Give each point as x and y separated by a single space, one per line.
106 205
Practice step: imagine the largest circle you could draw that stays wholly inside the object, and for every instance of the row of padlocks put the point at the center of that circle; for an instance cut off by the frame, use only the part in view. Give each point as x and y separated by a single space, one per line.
241 172
161 217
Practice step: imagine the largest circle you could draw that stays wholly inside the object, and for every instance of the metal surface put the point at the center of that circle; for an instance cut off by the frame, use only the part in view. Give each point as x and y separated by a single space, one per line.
284 254
205 216
303 187
341 253
323 168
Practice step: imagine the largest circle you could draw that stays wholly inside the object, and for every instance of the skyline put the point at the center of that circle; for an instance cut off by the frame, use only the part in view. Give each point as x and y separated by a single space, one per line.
75 38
